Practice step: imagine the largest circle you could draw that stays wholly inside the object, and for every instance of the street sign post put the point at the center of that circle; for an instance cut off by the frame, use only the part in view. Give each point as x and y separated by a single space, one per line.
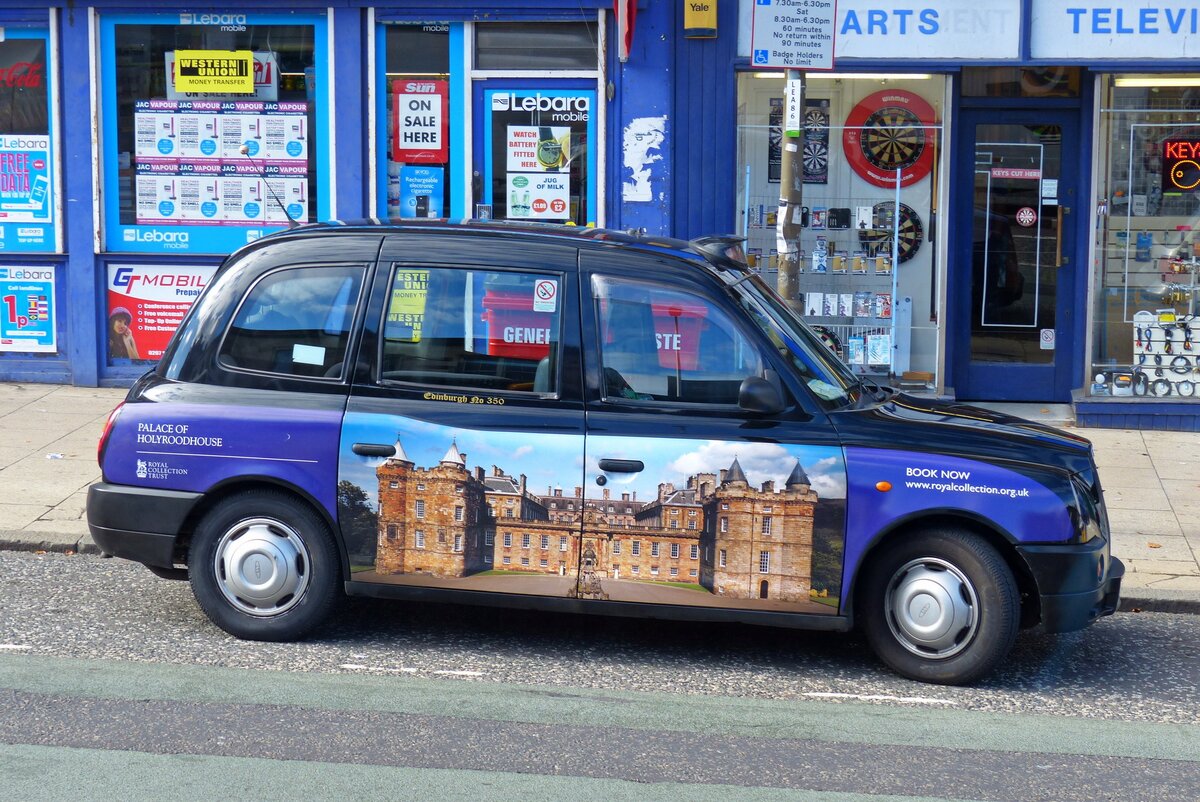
793 34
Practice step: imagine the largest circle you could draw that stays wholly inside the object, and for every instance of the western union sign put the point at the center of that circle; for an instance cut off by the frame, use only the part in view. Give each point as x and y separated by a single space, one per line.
226 71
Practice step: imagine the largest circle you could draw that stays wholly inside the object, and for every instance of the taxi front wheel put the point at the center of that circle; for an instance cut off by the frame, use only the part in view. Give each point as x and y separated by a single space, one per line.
941 606
264 567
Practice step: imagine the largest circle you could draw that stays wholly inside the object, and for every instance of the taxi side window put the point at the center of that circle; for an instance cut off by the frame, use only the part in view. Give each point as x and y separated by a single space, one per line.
663 344
295 322
474 329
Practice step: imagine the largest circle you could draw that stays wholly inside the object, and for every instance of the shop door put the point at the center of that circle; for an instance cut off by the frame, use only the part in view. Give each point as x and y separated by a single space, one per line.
1012 282
534 156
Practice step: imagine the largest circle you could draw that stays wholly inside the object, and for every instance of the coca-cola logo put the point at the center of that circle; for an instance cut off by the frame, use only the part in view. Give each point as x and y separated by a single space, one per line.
22 75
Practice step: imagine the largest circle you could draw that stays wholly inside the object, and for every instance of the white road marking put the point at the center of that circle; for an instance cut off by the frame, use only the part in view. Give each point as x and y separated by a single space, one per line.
14 647
461 673
380 669
880 697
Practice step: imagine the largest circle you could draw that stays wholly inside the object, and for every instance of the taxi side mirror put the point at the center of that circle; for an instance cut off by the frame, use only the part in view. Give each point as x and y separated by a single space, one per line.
760 396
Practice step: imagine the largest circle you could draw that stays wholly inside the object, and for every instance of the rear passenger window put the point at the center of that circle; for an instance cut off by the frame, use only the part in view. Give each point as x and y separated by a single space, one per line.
476 329
295 322
663 344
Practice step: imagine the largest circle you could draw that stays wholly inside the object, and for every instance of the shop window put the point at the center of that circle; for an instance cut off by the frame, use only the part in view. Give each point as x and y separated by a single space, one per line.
1024 82
185 95
28 186
868 279
1146 333
417 110
536 46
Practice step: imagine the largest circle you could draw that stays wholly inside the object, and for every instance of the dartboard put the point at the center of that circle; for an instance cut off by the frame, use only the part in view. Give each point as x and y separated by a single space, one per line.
911 231
893 138
817 120
891 135
816 158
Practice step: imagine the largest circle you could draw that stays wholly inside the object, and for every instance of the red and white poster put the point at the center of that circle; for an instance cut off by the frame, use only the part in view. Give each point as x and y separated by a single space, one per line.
420 122
146 303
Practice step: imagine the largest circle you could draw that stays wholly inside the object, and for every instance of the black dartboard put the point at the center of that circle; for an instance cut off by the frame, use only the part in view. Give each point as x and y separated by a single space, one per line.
893 139
911 232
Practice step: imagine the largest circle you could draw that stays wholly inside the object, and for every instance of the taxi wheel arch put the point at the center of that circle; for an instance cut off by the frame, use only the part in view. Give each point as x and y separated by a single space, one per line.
940 604
264 565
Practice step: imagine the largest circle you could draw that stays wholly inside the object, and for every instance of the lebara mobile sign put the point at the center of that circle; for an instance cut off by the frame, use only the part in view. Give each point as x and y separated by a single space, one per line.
27 309
1180 165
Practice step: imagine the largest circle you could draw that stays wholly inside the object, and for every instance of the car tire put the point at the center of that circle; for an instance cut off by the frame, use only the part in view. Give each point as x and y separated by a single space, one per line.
264 566
940 606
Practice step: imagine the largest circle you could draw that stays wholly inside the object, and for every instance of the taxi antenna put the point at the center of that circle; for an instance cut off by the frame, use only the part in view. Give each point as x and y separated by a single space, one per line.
245 151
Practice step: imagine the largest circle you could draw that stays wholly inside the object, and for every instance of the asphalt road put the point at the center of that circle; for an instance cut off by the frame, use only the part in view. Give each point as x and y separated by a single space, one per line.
114 685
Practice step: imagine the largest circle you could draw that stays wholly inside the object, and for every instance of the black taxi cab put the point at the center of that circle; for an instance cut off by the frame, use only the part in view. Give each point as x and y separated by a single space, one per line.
580 420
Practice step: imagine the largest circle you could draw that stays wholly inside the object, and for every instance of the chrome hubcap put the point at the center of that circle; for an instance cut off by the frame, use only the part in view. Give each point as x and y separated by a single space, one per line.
262 566
932 608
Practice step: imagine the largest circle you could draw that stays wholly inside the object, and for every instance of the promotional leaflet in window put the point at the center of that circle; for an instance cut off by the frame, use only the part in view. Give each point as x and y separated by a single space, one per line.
27 218
27 309
146 303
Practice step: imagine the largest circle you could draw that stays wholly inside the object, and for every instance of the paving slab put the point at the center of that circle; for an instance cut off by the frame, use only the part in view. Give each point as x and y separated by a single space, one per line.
1140 522
18 516
1135 498
1151 547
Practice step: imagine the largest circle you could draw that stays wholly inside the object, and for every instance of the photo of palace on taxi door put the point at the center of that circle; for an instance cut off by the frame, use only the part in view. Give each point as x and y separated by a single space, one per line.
716 539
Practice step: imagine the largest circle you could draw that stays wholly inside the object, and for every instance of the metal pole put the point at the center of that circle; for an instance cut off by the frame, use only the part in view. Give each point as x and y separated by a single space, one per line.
791 189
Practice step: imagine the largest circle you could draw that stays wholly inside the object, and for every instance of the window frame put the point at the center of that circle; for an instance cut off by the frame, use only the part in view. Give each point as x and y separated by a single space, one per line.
387 275
353 326
700 293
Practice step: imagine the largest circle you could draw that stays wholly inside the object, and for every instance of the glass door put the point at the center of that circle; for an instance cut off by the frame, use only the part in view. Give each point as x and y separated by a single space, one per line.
1013 290
534 158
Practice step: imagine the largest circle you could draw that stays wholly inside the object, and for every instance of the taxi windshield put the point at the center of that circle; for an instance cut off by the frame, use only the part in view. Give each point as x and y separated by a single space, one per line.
826 375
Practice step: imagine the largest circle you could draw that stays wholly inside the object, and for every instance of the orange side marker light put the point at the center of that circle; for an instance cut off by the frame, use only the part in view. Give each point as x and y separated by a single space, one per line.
883 487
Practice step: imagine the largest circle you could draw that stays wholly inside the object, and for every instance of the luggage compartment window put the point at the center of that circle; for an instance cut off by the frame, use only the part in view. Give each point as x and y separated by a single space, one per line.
662 344
475 329
296 322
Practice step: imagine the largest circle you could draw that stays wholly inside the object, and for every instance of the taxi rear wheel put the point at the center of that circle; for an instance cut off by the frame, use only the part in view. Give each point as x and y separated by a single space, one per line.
941 606
263 566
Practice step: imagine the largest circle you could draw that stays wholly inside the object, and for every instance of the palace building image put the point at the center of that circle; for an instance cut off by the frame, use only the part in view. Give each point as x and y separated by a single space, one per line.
718 532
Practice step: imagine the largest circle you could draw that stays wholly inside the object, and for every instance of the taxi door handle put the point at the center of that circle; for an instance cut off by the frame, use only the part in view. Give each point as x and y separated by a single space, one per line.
373 450
621 465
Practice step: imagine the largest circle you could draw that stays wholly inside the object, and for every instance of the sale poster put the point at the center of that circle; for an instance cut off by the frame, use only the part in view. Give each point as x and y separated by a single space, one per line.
27 309
146 303
420 118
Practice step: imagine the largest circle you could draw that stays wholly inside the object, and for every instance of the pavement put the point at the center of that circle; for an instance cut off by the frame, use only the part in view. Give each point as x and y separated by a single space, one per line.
48 436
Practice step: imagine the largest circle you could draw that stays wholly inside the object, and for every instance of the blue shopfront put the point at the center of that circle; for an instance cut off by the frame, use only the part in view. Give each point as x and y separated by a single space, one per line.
986 211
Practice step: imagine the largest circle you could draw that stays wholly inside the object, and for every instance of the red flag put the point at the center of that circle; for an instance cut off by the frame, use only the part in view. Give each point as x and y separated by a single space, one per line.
625 12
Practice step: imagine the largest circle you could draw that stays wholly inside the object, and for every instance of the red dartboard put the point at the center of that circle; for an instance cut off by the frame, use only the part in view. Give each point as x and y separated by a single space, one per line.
889 130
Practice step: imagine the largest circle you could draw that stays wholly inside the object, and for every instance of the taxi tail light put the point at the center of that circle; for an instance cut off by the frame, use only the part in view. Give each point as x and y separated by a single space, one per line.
108 427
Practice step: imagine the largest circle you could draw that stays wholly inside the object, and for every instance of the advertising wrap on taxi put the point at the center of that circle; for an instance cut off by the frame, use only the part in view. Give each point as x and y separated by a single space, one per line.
145 305
26 159
27 309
